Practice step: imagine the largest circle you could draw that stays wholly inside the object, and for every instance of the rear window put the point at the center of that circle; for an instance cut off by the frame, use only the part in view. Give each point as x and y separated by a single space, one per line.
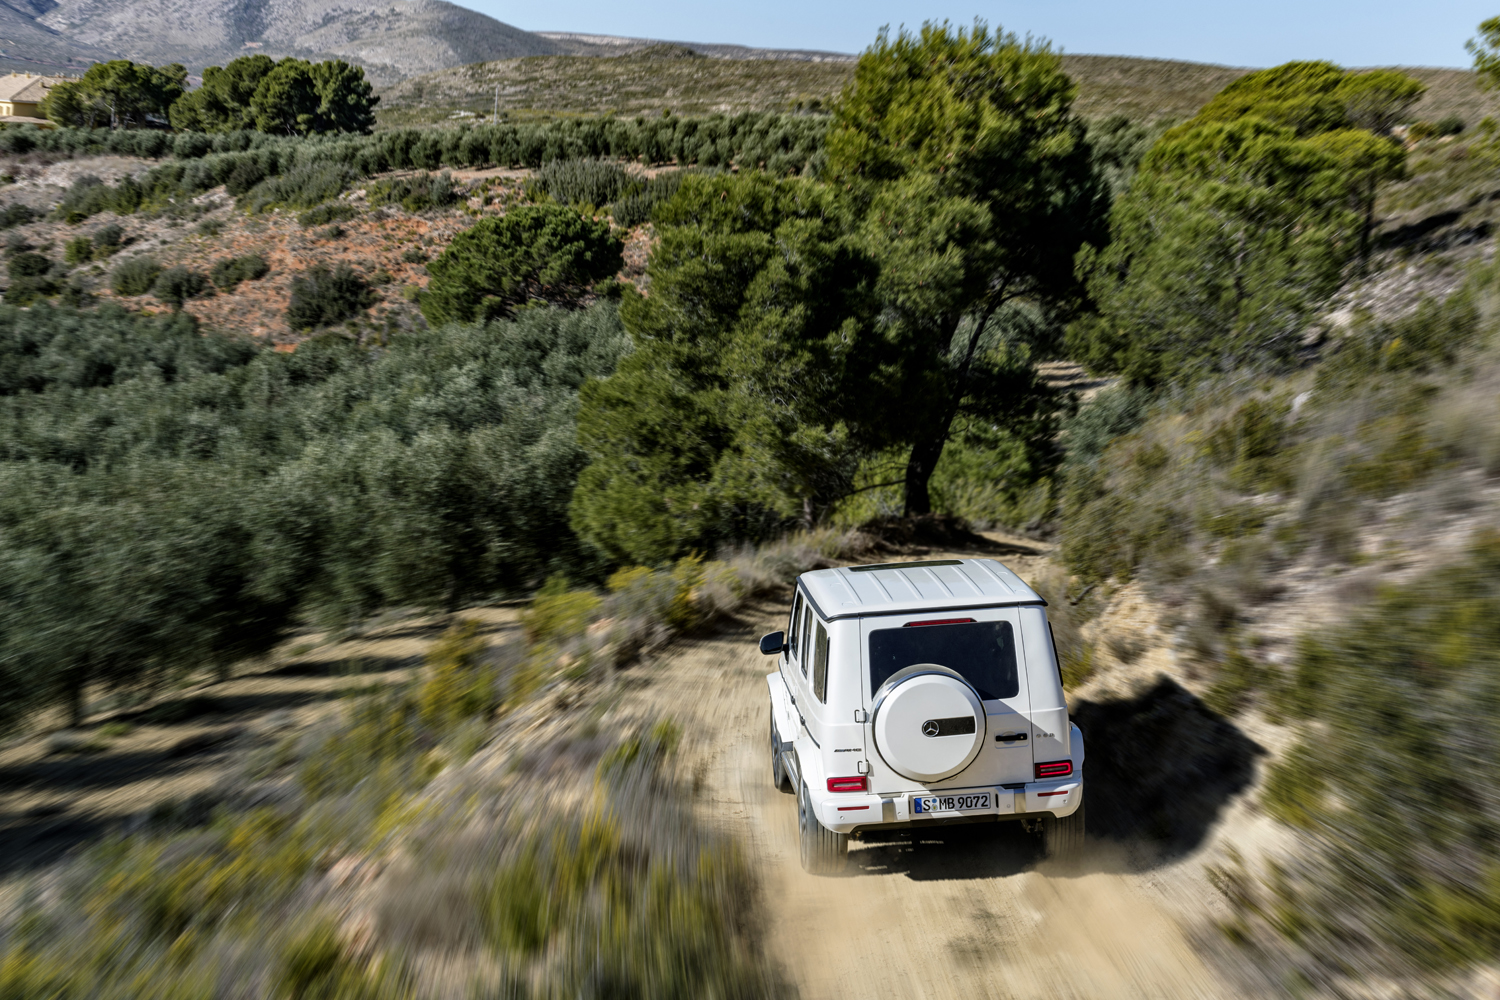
983 652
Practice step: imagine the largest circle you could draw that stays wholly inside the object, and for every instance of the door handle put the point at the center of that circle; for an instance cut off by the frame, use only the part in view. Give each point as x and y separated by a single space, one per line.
1010 737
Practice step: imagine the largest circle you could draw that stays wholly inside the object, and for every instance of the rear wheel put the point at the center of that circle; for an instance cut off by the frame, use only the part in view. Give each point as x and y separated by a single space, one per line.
779 778
823 851
1062 838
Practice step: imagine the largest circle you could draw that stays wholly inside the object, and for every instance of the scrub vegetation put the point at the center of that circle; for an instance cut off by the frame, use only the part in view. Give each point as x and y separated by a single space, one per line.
678 361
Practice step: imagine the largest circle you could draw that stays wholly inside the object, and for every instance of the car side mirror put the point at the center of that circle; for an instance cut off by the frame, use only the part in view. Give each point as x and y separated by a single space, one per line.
772 643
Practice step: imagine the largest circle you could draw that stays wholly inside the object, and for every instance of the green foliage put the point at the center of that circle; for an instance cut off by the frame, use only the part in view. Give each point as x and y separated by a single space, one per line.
290 97
303 187
558 613
118 93
459 685
755 359
223 102
634 204
584 182
329 211
1240 223
534 253
176 285
414 255
107 241
16 214
1485 48
1399 782
416 194
78 250
135 275
226 274
322 297
973 179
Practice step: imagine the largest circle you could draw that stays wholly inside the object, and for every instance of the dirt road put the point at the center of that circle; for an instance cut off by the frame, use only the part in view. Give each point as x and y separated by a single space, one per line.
965 912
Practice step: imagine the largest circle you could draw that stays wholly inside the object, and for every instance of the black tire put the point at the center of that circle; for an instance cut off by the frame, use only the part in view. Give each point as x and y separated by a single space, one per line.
823 851
1062 839
780 780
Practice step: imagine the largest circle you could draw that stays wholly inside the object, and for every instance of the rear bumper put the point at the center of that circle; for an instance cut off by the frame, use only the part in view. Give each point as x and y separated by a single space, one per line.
844 812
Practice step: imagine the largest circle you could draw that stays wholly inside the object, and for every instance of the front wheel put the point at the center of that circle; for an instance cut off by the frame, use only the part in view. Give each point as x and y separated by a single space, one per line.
780 780
823 851
1062 839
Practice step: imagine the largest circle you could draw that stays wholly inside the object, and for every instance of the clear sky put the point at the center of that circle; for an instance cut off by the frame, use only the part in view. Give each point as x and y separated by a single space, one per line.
1264 33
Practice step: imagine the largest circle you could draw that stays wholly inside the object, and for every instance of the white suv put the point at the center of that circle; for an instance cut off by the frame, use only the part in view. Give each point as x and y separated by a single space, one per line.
921 693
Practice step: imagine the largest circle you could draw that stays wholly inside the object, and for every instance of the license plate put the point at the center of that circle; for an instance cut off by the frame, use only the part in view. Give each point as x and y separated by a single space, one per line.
922 805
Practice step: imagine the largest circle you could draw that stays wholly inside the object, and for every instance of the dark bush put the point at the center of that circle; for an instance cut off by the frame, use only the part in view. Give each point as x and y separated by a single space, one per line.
321 297
303 187
228 273
246 174
16 215
108 240
415 194
28 265
330 211
79 250
30 278
135 276
176 285
1449 125
414 255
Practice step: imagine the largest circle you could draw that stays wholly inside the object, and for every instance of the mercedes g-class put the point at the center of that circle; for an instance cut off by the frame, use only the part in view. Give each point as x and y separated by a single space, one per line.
916 694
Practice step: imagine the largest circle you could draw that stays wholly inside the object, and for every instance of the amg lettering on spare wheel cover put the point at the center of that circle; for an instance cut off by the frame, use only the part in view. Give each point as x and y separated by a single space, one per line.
962 726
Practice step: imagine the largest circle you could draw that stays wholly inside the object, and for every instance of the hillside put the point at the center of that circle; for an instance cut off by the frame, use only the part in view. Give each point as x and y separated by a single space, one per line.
390 39
692 79
26 45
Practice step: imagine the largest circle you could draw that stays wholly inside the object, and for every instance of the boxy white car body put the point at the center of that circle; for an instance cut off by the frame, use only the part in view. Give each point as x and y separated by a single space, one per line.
837 717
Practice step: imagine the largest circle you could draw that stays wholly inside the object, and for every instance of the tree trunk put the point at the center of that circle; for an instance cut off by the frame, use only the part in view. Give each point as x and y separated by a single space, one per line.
920 466
926 451
75 704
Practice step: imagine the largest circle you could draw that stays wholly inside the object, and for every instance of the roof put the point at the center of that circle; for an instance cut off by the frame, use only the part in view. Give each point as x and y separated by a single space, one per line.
26 89
924 585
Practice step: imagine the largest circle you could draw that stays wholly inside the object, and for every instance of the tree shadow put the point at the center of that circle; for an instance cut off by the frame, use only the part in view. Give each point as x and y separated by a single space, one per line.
1161 767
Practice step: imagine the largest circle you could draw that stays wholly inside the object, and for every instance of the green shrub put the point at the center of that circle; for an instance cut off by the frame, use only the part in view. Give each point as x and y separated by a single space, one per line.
534 252
78 250
1449 125
415 194
459 685
135 276
30 278
322 297
330 211
414 255
176 285
107 240
584 182
302 187
558 613
228 273
16 214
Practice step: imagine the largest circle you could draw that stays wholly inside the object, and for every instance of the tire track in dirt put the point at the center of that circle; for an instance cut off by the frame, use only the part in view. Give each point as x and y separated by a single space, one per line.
963 911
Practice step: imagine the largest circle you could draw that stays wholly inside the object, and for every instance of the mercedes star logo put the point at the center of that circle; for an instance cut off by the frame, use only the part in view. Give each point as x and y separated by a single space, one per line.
930 728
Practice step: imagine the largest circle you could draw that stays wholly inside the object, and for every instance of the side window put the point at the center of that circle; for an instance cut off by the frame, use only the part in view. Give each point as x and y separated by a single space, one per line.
806 631
820 664
791 628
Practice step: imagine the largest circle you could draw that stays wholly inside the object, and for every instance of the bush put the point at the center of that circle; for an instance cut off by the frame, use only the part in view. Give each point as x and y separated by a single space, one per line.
415 194
228 273
135 276
321 297
329 211
176 285
303 187
1449 125
634 205
108 240
30 278
78 250
414 255
16 214
535 252
584 182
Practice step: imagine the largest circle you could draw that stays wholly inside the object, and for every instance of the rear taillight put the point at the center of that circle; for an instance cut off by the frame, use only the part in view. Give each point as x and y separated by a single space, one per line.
855 784
1054 769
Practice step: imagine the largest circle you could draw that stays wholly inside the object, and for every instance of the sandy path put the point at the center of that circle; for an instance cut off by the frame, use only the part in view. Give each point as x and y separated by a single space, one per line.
968 912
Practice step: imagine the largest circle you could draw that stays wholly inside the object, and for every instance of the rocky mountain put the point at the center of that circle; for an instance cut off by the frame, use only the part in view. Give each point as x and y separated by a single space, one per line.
392 39
27 45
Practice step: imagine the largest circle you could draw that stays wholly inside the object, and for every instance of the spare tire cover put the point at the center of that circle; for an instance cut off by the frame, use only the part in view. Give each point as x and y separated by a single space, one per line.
928 722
